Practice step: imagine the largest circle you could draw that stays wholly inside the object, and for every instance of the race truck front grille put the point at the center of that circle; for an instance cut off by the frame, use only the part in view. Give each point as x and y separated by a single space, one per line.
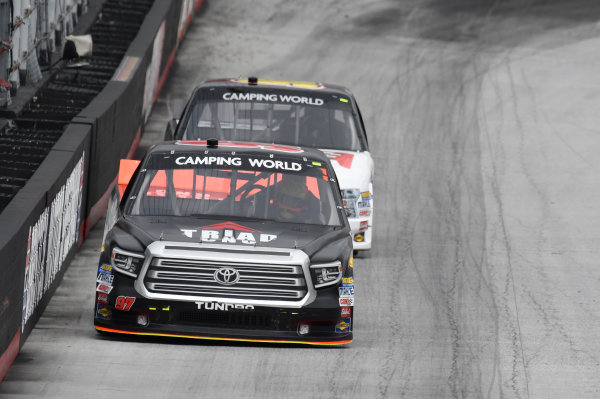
262 281
226 273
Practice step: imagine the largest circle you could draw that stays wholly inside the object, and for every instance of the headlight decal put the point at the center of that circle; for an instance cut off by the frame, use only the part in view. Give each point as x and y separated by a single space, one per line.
325 274
126 262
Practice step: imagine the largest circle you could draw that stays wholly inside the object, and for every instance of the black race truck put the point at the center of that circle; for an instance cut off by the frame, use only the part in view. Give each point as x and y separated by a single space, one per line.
228 241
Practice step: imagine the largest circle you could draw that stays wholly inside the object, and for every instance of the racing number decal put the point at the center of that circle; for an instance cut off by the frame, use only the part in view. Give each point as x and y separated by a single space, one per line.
124 303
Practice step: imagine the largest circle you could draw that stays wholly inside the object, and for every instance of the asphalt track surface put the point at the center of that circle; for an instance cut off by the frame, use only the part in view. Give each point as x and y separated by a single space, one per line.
483 280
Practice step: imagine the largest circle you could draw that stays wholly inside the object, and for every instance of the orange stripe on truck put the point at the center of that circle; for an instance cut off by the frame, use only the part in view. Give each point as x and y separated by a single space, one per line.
324 343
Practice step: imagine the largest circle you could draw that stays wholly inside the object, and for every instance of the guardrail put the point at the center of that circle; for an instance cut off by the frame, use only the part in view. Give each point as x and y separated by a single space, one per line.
46 221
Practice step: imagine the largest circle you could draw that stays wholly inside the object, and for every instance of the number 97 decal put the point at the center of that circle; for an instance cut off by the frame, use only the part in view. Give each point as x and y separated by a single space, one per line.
124 303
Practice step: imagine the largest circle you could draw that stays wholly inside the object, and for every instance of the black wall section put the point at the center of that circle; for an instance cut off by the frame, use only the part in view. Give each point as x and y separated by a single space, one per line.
21 213
47 219
42 231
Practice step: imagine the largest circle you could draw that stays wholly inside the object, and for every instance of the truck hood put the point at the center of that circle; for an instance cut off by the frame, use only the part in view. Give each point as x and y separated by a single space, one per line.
248 233
353 169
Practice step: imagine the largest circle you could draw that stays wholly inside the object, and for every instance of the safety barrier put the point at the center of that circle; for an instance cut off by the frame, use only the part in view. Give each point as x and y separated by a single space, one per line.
47 219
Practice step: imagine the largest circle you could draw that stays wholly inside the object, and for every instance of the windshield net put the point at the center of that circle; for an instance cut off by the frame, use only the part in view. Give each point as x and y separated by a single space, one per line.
325 122
197 184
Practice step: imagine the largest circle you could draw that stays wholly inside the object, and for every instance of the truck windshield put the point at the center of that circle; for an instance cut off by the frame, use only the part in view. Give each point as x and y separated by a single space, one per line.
271 116
285 189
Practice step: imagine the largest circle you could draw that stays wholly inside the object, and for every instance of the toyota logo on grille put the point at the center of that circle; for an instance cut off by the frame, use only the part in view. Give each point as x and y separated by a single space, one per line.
227 276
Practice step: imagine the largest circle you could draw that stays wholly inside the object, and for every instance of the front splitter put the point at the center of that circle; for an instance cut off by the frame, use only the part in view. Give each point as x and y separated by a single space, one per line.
237 339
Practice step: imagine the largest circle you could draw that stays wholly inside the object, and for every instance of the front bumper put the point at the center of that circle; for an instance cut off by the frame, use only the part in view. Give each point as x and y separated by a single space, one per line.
326 323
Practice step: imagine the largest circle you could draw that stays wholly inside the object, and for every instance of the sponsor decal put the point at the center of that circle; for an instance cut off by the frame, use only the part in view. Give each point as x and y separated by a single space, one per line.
346 311
237 161
366 195
104 273
124 303
103 312
359 237
364 213
348 281
34 266
364 225
364 204
102 298
346 292
245 235
50 240
105 278
105 267
343 326
222 306
343 159
266 97
271 164
104 288
346 301
220 161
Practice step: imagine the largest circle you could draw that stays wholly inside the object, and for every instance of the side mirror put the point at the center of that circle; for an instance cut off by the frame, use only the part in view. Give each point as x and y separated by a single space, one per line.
126 169
175 107
170 130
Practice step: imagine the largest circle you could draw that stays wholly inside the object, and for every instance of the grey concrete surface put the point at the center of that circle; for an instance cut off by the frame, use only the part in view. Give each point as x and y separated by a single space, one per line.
483 280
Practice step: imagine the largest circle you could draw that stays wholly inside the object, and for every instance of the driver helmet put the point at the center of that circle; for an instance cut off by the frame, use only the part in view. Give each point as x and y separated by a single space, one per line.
291 196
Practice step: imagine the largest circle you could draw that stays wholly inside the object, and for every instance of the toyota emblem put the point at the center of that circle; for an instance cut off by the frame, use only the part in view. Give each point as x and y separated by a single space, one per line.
227 276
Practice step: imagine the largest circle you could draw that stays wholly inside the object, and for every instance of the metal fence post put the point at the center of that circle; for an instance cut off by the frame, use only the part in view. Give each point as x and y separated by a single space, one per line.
5 44
51 13
14 78
34 74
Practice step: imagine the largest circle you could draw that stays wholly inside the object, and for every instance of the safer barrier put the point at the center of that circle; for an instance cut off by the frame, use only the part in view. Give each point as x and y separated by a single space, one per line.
40 234
47 219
